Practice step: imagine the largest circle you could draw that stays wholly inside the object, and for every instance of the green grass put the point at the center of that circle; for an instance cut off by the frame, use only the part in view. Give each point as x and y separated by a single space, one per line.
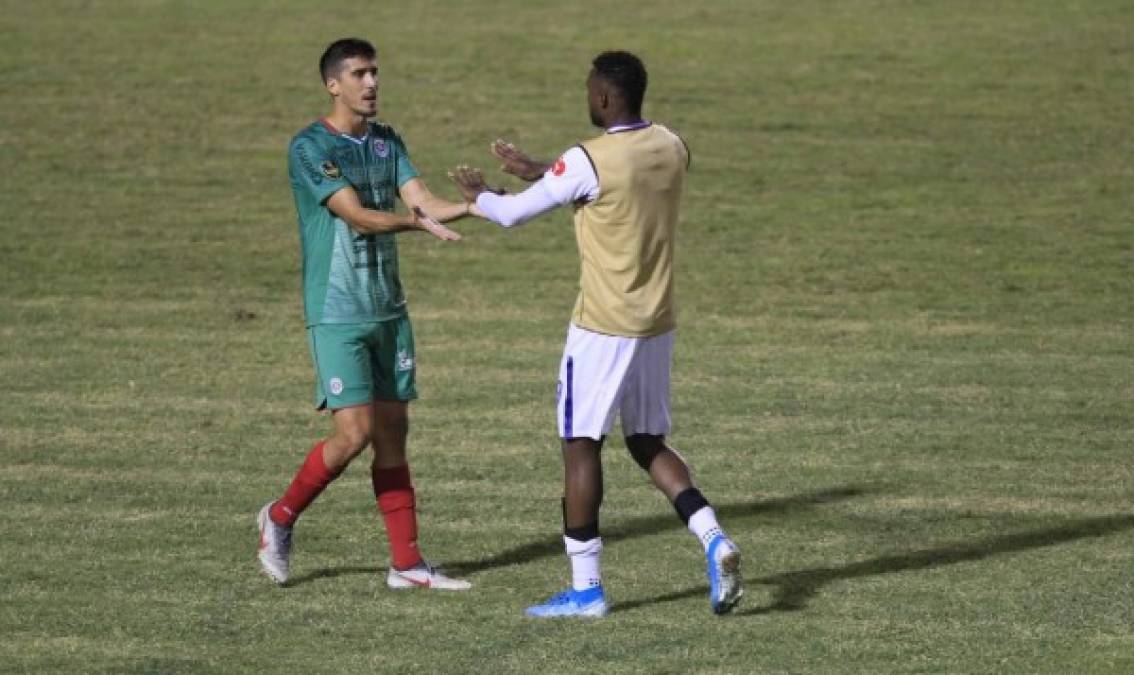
904 370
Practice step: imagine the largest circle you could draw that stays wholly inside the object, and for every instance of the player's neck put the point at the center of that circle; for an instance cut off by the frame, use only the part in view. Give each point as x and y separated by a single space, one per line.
347 122
622 119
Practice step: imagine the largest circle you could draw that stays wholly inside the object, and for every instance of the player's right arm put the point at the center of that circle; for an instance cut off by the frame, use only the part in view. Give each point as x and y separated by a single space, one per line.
571 179
315 173
346 205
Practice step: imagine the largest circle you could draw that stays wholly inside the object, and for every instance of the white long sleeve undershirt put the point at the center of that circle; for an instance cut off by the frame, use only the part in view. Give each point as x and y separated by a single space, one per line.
570 179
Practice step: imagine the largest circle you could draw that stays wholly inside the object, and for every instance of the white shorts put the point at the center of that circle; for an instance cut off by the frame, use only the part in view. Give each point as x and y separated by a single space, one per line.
602 376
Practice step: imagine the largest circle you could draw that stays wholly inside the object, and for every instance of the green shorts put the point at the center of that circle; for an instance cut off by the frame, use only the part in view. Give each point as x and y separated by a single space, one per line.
356 363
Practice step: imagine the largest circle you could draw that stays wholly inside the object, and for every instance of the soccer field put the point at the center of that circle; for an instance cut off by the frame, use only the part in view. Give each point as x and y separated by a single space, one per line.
904 373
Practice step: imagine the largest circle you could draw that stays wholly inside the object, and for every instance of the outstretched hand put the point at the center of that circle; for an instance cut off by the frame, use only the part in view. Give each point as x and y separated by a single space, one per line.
470 182
424 222
516 161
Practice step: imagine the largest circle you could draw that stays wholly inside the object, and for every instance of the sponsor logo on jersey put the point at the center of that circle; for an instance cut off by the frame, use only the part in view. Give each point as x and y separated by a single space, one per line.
330 170
559 167
405 361
336 386
380 148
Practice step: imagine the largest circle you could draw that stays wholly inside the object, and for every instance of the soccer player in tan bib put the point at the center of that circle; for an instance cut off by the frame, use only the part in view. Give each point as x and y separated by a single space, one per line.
625 187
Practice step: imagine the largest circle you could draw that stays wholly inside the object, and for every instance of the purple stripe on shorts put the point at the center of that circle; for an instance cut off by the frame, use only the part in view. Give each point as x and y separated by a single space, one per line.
568 412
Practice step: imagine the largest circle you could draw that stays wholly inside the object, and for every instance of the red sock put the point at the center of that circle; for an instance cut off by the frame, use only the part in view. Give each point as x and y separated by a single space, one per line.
394 492
309 481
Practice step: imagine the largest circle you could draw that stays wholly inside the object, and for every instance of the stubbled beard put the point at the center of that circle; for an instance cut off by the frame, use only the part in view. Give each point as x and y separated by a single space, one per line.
363 106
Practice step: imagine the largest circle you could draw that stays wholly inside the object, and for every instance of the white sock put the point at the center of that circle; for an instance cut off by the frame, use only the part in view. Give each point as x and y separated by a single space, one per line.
584 557
703 524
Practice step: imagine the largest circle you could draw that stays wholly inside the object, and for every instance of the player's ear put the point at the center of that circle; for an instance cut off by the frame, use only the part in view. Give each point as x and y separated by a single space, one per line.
332 85
605 94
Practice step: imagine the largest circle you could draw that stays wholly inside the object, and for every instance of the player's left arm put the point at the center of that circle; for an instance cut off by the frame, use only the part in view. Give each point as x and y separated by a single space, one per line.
415 193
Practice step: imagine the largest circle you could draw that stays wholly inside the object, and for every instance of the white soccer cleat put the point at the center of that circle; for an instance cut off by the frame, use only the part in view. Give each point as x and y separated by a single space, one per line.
725 584
424 575
275 547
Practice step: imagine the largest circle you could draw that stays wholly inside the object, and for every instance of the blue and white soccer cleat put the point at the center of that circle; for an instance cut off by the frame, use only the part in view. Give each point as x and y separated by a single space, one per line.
588 603
725 584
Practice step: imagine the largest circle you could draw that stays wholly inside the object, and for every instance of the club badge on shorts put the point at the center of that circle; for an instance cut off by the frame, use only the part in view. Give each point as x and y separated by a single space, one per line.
335 386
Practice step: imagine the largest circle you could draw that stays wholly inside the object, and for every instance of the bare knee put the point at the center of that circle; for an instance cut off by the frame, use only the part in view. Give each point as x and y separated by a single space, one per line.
352 437
645 448
391 421
389 430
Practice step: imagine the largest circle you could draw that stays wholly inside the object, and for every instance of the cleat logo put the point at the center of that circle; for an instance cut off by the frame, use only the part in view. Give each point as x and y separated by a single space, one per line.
415 582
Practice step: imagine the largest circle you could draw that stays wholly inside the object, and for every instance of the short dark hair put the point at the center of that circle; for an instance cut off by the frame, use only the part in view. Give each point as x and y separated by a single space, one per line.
341 50
626 73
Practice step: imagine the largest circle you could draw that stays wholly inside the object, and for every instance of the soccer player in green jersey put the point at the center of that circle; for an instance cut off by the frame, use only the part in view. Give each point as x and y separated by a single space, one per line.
345 171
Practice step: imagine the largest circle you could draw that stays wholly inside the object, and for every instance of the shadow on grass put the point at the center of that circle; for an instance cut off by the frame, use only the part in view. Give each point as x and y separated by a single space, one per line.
332 572
794 589
629 529
648 525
